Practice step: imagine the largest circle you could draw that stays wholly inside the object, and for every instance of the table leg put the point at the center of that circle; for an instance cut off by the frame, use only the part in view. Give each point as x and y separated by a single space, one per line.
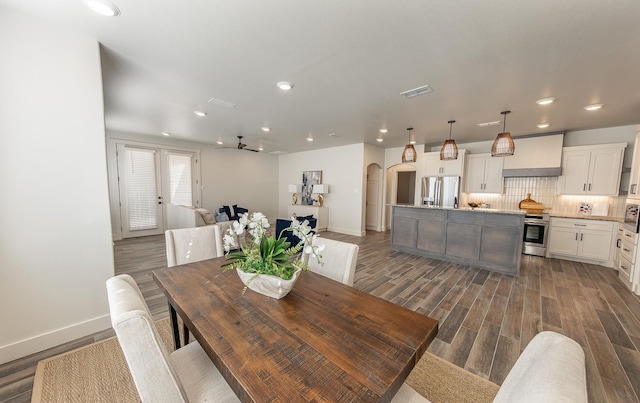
185 330
174 326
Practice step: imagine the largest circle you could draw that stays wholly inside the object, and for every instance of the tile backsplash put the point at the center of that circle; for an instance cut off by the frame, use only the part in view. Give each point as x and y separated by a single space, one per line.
543 190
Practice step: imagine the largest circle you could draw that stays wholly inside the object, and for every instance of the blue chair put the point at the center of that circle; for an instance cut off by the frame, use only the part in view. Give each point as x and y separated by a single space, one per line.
281 224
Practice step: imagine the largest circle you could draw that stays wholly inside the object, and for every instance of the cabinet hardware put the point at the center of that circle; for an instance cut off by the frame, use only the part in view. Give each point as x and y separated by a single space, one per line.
626 250
589 187
580 225
633 188
581 235
624 268
576 236
618 243
584 187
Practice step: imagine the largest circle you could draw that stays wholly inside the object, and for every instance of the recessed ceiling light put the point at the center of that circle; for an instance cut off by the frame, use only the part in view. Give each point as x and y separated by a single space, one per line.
383 130
200 113
103 7
284 85
593 107
543 125
165 133
379 139
412 142
260 148
310 138
545 101
265 129
219 142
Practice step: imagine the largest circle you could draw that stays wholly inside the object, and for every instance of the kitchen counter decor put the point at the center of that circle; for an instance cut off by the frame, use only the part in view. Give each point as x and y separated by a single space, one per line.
531 206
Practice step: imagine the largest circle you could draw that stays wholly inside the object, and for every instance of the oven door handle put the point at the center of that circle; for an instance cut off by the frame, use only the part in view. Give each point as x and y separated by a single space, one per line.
537 222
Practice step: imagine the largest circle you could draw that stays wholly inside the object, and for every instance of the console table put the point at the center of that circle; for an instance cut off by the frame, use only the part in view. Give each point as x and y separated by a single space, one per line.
320 213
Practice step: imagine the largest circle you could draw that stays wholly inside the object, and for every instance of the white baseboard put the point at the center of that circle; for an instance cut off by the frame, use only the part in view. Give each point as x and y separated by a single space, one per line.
54 338
346 231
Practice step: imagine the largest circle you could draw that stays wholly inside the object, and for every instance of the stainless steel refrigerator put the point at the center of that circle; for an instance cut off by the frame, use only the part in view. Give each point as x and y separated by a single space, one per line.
441 191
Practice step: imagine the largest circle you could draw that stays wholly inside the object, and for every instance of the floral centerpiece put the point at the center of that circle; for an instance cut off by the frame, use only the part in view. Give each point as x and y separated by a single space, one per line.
269 264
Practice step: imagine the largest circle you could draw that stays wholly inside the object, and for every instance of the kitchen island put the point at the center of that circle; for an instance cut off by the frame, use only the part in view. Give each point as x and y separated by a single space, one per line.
485 238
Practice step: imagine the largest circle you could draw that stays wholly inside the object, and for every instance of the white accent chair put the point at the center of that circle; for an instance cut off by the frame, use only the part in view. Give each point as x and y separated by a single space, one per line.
339 260
550 369
187 245
186 375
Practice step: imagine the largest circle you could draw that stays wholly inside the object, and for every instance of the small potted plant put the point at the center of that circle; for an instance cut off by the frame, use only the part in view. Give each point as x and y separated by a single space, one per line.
268 264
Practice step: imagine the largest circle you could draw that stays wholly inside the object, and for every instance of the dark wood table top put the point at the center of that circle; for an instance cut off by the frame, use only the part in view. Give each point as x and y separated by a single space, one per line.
324 341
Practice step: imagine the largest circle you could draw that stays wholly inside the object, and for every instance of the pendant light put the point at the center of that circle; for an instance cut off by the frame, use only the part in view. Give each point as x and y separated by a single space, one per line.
409 153
449 150
503 146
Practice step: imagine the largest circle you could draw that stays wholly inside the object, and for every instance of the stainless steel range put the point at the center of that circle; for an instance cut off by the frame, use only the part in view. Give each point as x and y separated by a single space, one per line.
536 227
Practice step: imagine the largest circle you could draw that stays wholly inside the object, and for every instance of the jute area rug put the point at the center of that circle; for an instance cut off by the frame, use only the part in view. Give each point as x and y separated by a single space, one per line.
99 373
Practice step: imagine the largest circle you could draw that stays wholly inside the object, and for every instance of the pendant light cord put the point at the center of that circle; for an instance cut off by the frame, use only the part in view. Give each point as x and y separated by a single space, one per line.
504 121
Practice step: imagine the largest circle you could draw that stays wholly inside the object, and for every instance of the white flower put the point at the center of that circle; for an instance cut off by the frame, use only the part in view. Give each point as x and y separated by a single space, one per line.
312 248
237 227
229 242
300 229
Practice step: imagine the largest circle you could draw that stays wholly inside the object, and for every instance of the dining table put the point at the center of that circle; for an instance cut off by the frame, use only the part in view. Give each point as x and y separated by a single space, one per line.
324 341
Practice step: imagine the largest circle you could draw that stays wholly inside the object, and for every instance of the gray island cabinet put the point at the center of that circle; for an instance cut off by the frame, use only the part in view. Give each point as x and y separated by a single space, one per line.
488 239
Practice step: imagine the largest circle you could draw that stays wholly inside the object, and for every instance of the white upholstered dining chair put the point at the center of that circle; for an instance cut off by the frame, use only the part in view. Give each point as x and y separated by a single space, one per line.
339 260
186 375
185 245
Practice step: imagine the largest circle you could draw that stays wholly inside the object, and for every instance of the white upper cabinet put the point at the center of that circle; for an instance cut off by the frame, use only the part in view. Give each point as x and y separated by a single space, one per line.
634 178
591 170
483 174
433 166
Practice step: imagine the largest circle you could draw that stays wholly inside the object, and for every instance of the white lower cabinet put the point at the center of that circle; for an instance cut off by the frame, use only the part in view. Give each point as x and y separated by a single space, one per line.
588 240
625 259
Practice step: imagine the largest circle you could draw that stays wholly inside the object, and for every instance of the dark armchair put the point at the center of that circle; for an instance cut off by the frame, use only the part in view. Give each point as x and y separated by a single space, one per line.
234 212
291 238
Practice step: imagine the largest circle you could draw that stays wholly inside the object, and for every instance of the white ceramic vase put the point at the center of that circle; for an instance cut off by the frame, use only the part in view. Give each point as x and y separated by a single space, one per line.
268 285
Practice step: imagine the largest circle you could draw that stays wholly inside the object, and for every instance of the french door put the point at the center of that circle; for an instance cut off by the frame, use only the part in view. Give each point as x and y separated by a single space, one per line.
148 178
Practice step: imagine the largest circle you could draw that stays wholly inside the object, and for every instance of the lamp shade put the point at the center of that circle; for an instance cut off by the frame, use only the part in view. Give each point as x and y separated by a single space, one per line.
503 146
449 150
295 188
409 153
320 189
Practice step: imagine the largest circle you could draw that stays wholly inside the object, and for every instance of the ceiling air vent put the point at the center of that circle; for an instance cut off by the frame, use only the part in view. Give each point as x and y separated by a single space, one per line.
220 102
487 124
417 91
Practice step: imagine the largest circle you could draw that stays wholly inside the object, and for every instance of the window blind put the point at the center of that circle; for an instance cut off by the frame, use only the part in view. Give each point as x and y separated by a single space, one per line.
180 179
141 189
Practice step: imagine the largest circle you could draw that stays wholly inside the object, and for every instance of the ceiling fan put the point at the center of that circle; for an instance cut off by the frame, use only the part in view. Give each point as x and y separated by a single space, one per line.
242 146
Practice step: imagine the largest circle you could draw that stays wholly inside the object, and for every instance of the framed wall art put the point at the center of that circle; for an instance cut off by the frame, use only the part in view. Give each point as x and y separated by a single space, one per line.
309 178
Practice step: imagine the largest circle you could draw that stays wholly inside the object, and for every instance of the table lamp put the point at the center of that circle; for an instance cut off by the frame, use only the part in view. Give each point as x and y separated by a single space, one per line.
295 189
320 190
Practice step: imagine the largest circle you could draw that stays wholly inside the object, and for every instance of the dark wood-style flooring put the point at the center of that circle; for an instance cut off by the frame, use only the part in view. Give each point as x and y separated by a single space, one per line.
486 319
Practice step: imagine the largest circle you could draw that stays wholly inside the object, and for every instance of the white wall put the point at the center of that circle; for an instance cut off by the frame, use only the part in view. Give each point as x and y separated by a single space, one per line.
55 243
342 170
229 176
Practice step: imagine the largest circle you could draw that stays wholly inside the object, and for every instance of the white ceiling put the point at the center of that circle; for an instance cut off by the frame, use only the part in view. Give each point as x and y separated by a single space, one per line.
350 60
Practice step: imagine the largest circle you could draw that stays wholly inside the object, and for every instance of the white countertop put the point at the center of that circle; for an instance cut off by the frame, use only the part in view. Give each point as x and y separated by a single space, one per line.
475 210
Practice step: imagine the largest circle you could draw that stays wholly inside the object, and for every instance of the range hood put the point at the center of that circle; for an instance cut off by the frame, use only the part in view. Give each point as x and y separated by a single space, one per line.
535 156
